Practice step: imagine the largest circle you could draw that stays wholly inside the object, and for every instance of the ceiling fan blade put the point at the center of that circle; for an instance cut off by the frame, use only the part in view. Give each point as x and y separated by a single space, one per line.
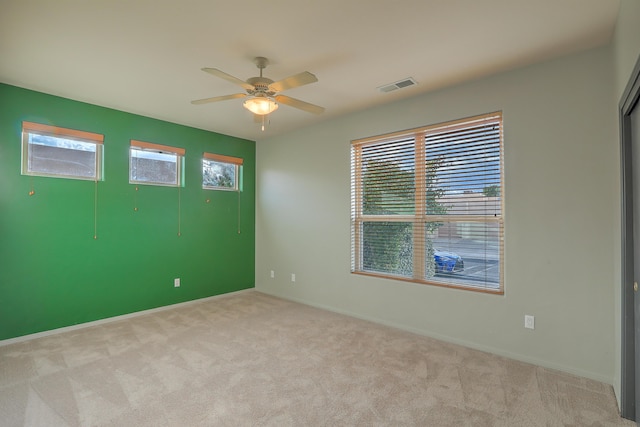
218 98
300 79
296 103
228 77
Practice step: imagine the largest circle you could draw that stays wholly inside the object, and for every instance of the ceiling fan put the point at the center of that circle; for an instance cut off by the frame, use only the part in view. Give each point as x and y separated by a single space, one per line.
263 94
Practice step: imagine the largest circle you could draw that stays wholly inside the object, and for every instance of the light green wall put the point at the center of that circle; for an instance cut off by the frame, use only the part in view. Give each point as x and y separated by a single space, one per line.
559 217
626 42
54 274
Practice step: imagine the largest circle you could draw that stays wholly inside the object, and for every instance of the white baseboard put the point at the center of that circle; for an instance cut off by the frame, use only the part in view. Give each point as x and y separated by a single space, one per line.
474 345
115 318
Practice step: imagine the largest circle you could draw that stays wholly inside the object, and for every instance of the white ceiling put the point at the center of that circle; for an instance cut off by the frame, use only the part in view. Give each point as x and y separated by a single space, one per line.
145 56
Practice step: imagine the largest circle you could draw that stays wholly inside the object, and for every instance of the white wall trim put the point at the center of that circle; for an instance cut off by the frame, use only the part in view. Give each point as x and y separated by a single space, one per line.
116 318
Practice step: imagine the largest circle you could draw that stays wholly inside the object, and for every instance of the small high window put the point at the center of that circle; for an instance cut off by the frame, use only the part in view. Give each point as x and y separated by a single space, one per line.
59 152
220 172
155 164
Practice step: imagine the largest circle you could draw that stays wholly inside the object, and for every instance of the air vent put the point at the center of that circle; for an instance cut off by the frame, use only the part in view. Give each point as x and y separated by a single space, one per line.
398 85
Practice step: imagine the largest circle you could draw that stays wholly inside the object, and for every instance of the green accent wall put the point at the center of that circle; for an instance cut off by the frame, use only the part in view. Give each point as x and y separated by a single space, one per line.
53 273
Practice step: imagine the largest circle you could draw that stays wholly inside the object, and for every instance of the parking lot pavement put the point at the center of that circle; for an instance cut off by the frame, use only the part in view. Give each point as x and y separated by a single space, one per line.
469 249
481 261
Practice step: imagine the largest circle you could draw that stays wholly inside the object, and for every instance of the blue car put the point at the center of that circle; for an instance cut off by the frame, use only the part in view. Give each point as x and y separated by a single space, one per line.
448 262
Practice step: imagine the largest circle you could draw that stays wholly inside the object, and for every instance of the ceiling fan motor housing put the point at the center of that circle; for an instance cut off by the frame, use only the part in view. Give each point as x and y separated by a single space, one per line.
261 86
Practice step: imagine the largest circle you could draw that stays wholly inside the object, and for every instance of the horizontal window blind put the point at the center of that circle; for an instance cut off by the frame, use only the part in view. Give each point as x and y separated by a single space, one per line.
222 158
157 147
54 151
426 204
155 164
41 129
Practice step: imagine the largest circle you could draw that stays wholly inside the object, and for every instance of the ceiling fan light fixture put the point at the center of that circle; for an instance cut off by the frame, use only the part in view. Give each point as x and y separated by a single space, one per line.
261 105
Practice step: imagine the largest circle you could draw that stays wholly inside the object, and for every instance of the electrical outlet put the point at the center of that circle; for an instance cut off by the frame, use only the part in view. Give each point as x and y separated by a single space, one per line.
273 274
529 321
176 282
293 277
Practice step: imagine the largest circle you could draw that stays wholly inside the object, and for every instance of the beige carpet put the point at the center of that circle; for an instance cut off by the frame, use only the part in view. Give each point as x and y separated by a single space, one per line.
250 359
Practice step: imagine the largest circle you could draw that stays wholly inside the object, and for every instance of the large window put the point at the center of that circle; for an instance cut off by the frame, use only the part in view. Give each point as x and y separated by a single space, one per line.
59 152
155 164
427 204
220 172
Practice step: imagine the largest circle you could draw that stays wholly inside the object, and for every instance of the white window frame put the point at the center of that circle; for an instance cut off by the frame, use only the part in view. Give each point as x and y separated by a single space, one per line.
417 214
141 146
237 163
30 128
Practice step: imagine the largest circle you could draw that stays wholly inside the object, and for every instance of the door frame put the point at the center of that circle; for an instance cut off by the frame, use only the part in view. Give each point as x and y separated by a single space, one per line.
628 101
